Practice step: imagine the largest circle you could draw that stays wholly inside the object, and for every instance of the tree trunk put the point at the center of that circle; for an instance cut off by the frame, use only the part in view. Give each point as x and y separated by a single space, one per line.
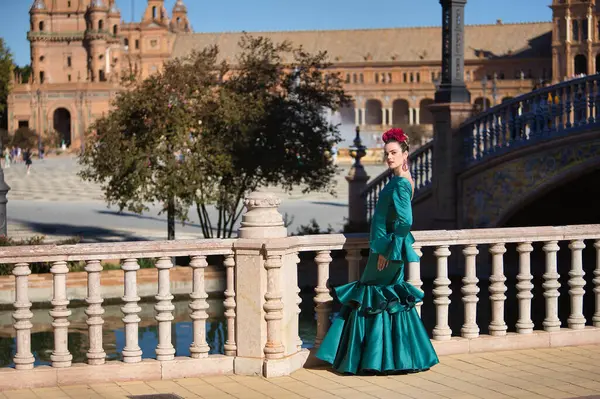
171 219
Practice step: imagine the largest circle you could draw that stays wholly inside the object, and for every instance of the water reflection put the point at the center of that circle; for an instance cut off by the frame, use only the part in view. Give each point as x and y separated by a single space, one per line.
42 339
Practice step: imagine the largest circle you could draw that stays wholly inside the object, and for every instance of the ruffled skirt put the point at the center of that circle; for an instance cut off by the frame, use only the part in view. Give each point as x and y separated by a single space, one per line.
378 328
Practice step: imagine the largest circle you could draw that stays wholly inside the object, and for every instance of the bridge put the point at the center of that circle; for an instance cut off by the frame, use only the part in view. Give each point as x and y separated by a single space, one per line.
532 160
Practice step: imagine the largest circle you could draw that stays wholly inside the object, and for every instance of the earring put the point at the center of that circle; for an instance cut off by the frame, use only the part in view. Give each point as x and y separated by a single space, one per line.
405 166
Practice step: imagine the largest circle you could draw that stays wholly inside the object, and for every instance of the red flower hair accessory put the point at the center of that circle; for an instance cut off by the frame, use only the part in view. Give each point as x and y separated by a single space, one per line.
395 134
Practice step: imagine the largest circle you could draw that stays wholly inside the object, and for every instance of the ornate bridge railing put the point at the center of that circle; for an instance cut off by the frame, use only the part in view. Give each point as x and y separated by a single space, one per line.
543 114
420 162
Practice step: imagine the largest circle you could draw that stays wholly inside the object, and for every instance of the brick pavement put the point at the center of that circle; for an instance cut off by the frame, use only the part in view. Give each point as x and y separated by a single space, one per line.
570 372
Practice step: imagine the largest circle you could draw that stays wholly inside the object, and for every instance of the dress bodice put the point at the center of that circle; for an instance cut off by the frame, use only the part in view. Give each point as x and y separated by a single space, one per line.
392 219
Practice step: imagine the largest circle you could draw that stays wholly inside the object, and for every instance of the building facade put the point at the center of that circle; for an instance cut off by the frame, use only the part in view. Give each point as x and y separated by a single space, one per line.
80 49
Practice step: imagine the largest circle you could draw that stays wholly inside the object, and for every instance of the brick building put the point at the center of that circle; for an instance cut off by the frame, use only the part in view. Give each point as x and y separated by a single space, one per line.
80 49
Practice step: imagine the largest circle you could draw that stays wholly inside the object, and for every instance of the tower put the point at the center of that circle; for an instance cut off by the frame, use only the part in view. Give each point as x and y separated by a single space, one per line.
38 30
113 52
96 37
179 20
574 39
156 12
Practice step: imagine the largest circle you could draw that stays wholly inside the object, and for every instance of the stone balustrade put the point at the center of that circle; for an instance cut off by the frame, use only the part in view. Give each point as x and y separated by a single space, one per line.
262 297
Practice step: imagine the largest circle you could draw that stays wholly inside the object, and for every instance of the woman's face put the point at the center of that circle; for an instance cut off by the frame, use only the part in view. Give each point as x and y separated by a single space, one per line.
394 156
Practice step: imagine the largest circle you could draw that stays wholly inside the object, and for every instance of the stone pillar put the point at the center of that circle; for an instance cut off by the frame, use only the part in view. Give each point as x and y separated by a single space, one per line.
390 116
447 157
266 286
417 116
356 116
411 119
383 118
363 118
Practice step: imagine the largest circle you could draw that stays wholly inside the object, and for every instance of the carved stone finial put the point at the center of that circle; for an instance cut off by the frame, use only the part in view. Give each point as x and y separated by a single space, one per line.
262 218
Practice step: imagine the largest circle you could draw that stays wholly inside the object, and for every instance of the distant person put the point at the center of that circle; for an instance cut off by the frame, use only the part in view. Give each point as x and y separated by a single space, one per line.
27 159
334 154
6 158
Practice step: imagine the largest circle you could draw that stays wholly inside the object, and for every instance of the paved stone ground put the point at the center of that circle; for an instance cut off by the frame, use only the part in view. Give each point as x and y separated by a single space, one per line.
572 372
55 179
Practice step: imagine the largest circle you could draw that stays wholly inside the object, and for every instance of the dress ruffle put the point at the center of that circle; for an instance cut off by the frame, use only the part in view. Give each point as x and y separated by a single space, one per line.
378 329
373 299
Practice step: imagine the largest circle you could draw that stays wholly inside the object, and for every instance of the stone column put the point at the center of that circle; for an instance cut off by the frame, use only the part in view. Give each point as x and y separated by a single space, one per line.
390 116
417 116
363 118
411 120
446 159
266 279
356 116
383 118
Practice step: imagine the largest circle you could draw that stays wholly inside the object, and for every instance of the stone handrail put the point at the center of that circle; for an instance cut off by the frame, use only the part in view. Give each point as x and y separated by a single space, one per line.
553 111
421 167
261 298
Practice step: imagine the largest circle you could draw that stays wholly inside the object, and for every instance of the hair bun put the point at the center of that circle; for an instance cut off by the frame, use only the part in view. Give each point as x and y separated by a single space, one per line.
395 134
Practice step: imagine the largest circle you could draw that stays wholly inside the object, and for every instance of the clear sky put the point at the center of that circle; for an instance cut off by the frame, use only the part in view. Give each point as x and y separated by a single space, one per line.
268 15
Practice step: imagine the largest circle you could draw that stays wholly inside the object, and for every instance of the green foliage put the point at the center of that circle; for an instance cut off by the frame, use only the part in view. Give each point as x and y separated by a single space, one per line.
52 139
24 73
6 67
313 228
206 132
25 138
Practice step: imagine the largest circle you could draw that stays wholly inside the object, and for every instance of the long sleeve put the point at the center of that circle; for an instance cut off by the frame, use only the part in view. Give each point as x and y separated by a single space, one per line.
390 244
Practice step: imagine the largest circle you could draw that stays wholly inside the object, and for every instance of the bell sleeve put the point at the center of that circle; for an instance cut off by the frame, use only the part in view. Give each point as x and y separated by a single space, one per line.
390 244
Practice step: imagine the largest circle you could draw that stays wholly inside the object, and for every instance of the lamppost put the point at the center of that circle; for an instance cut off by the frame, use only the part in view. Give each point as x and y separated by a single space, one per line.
495 89
357 179
484 81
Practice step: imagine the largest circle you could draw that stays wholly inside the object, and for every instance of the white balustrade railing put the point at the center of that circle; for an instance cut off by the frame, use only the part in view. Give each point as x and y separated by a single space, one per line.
277 304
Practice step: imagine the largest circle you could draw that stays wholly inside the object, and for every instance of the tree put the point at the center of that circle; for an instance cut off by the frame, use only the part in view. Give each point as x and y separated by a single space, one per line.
6 67
205 133
24 73
25 138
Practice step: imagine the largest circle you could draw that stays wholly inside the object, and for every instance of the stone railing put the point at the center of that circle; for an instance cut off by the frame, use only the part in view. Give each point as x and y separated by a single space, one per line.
553 111
421 168
262 298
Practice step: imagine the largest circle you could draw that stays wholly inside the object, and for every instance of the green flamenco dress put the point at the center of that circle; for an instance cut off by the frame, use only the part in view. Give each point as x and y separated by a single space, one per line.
378 328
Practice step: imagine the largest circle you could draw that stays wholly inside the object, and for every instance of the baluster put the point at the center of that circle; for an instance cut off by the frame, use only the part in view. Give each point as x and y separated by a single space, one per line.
164 309
323 299
497 131
504 127
229 303
576 282
298 302
478 140
353 258
551 286
198 305
497 290
470 329
597 101
22 315
591 97
414 274
429 165
273 307
131 352
524 287
441 295
596 281
60 355
421 171
94 312
560 109
568 107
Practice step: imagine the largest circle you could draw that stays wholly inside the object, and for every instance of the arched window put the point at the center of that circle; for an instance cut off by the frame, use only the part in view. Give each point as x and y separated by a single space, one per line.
126 42
347 78
115 30
41 26
354 79
362 78
100 25
154 12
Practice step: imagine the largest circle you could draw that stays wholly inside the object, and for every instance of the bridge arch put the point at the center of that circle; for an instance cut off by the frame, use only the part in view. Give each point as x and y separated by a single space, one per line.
425 115
567 200
481 104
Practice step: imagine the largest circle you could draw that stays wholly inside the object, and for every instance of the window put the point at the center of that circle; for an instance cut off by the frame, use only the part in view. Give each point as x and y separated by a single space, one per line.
154 12
41 26
347 78
42 58
405 77
362 78
433 76
178 21
575 30
41 76
418 77
68 4
101 76
69 62
100 25
23 124
69 78
126 42
115 30
137 44
584 29
412 77
376 78
354 78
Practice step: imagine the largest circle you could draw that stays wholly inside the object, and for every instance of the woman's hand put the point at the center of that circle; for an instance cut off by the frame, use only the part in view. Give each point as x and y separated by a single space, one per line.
382 263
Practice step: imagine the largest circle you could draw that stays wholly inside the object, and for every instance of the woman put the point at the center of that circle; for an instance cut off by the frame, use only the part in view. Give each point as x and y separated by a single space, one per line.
378 328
